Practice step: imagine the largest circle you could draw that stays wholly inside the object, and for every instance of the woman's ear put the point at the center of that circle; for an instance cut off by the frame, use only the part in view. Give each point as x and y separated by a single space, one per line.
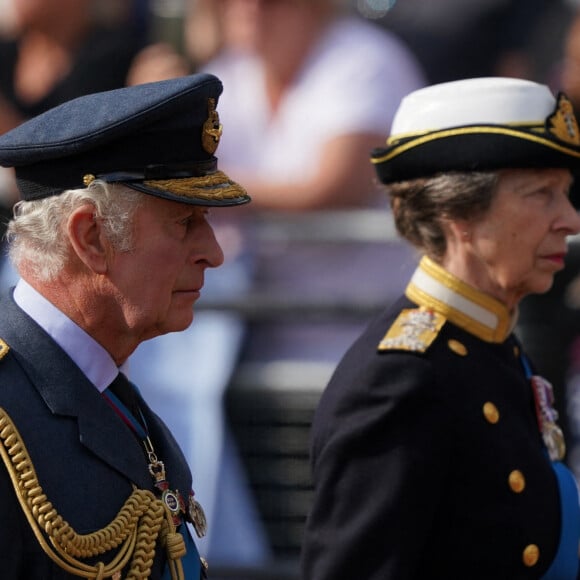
87 239
460 230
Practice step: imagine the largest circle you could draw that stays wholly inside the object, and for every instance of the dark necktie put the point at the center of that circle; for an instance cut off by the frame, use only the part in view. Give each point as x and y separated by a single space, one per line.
122 388
125 392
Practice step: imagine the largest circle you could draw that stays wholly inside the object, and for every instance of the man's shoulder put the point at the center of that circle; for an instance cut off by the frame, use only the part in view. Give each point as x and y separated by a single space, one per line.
4 348
12 375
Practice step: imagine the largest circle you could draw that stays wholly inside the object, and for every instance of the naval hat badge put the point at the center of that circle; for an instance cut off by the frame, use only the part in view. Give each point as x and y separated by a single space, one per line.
562 123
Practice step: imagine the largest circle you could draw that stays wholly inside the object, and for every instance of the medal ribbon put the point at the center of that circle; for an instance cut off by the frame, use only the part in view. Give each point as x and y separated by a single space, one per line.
140 429
192 562
546 414
565 564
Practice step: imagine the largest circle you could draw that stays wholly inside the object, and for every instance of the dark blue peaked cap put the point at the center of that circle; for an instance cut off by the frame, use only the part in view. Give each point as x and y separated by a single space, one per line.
158 138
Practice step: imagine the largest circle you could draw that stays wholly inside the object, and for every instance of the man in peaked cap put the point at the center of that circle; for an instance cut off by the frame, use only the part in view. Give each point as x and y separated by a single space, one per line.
111 241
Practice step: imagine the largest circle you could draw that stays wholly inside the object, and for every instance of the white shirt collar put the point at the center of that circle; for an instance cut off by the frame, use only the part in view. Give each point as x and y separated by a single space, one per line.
93 360
480 314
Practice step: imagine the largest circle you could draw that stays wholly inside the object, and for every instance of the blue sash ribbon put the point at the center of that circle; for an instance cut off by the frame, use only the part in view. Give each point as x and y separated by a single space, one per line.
565 564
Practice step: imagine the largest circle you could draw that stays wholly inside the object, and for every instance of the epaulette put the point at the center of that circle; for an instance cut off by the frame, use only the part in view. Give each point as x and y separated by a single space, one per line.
413 330
4 348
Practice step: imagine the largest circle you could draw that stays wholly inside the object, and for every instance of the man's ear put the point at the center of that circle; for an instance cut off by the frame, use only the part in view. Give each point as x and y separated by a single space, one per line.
87 238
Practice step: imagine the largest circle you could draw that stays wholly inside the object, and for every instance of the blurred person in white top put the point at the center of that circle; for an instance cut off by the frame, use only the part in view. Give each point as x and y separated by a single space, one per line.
308 90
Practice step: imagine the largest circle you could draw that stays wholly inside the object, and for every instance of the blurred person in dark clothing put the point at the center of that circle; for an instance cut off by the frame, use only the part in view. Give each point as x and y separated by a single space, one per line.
453 39
56 50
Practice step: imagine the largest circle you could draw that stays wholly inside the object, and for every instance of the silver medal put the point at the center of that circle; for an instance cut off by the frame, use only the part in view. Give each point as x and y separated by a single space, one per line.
197 517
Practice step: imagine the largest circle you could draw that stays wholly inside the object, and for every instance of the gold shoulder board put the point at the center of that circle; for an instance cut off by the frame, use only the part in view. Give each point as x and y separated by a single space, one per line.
413 330
4 348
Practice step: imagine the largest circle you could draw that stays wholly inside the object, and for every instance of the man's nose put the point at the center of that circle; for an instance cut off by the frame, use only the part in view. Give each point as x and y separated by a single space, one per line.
211 252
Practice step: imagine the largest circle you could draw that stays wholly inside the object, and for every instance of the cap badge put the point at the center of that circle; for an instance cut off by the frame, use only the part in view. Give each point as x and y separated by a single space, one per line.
212 129
562 123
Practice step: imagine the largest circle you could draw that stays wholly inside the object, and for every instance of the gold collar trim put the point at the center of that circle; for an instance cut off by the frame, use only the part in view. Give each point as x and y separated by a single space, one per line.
433 287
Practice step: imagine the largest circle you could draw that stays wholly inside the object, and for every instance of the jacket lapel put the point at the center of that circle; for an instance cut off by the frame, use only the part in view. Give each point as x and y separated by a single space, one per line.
66 391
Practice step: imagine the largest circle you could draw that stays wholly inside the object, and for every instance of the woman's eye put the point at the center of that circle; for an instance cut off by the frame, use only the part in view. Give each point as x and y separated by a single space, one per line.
544 191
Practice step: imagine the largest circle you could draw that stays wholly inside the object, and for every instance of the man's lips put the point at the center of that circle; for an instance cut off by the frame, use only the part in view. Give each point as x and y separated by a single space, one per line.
192 291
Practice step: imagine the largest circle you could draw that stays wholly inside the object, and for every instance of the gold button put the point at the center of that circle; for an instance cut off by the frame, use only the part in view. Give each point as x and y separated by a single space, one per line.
531 555
516 351
457 347
517 481
491 413
88 178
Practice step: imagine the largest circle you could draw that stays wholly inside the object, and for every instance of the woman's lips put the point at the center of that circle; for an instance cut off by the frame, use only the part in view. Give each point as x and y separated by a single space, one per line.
556 258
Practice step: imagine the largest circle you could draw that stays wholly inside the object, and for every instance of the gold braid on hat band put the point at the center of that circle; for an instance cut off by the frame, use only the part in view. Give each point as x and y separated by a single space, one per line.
215 186
141 522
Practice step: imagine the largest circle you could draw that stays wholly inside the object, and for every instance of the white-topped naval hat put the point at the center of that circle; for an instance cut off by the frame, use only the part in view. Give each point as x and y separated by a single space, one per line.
479 124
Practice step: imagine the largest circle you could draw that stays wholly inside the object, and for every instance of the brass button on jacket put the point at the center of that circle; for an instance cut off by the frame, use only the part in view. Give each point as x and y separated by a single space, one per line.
517 481
531 555
491 413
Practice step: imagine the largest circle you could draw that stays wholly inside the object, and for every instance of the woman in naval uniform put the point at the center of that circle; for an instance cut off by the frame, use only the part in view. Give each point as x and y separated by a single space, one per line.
436 450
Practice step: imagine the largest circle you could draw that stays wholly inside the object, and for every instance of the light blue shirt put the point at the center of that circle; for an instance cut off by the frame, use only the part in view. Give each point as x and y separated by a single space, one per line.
93 360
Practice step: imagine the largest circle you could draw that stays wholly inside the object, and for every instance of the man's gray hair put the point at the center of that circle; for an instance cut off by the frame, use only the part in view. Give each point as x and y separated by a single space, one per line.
37 233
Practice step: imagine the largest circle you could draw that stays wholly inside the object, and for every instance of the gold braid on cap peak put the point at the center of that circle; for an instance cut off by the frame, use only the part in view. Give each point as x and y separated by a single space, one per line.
214 186
141 522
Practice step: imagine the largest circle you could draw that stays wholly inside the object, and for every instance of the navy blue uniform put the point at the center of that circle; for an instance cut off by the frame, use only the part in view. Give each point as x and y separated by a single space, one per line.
85 457
429 463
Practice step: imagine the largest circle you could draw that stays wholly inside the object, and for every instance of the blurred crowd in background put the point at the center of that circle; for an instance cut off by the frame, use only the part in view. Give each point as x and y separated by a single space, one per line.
310 87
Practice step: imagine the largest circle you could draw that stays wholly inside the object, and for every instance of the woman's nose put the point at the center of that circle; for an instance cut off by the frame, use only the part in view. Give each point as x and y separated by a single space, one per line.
572 218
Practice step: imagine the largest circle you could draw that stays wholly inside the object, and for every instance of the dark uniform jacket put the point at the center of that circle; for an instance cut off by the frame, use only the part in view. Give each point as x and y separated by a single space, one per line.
85 458
427 457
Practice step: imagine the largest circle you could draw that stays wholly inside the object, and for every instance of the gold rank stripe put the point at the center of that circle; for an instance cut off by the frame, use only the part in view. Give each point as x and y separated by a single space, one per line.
473 130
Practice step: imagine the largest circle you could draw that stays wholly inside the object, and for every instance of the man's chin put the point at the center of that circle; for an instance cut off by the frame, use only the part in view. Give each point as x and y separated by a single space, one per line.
177 323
